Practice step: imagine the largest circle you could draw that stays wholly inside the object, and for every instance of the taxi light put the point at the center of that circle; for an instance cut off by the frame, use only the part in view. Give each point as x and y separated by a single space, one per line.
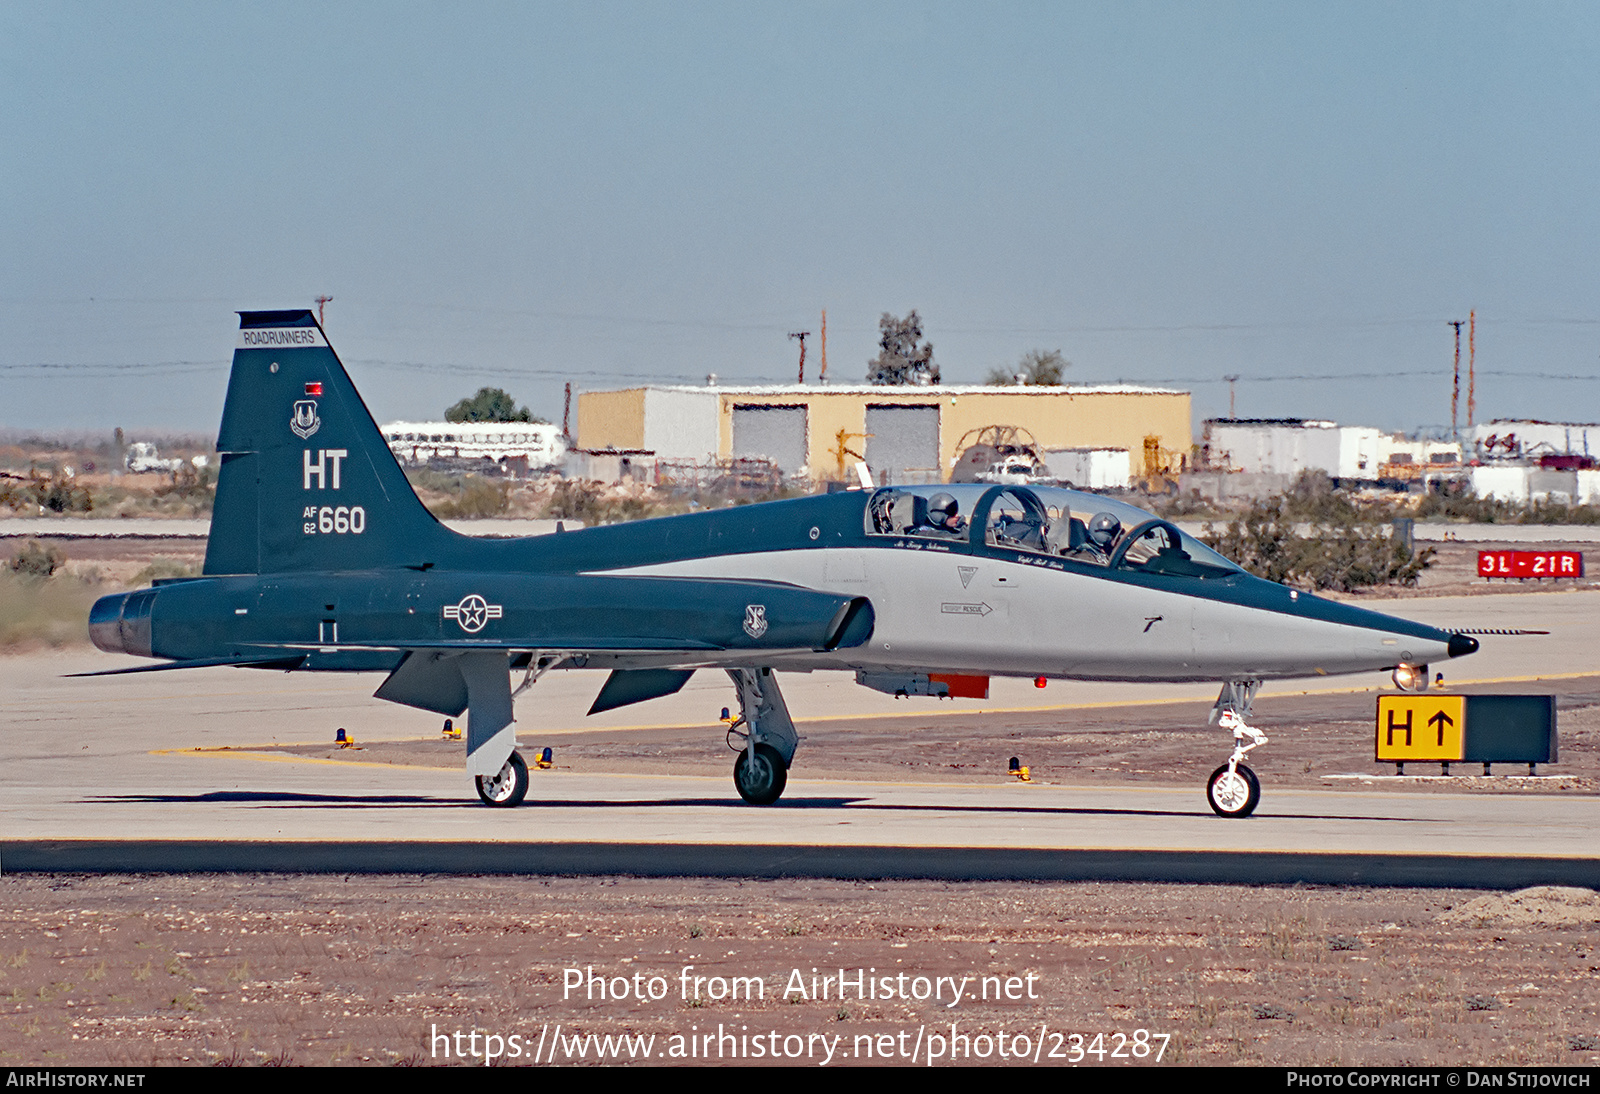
1039 681
1411 677
546 760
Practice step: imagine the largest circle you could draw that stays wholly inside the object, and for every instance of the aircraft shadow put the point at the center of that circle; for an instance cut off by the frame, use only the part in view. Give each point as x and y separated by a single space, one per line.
282 799
273 798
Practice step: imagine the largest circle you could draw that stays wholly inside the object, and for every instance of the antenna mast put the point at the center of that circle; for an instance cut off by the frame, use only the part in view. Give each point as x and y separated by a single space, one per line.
1231 381
322 304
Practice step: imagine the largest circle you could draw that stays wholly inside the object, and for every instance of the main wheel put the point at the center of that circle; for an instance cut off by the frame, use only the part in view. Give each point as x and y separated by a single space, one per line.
509 787
1235 795
760 775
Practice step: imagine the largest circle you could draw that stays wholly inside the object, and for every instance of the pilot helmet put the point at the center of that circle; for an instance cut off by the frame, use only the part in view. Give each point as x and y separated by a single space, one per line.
942 508
1104 528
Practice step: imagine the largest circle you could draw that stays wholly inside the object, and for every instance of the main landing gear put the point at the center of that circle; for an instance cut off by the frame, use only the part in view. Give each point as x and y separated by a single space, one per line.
1233 789
507 787
763 735
760 775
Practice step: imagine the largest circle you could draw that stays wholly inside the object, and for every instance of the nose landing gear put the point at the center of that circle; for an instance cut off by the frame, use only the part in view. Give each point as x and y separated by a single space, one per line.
1233 789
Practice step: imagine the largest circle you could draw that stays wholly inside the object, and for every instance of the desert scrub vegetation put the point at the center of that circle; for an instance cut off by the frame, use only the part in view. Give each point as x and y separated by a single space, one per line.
460 496
40 492
39 604
1316 537
187 492
162 568
1453 505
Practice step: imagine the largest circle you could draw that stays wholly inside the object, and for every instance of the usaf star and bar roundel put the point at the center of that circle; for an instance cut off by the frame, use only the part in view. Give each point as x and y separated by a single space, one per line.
473 613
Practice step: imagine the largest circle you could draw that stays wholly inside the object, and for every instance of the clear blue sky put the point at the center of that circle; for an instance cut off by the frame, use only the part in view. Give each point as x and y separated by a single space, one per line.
520 195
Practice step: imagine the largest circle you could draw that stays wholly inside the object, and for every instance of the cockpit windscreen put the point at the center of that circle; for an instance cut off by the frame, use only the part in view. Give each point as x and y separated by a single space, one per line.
1048 520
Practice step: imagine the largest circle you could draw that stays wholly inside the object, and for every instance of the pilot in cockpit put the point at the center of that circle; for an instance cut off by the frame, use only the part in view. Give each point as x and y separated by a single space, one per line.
944 517
1103 532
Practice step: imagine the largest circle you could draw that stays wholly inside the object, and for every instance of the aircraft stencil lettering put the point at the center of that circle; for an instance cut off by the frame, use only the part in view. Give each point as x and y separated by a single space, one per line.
326 469
851 581
334 519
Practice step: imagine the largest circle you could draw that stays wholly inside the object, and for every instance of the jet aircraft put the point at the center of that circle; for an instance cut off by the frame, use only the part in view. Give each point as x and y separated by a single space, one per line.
322 559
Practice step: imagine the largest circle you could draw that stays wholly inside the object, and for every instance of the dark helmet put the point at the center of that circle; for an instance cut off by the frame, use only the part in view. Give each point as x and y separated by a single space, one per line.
1104 528
942 508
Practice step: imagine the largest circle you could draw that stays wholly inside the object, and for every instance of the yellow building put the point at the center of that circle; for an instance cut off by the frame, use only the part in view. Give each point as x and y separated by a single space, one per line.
905 434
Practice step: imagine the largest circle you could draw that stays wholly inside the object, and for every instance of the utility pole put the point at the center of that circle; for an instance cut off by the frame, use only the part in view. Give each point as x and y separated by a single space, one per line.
1231 381
802 335
822 376
1455 387
322 304
1472 366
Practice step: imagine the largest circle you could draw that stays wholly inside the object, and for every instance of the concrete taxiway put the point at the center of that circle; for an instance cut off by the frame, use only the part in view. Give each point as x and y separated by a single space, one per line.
155 772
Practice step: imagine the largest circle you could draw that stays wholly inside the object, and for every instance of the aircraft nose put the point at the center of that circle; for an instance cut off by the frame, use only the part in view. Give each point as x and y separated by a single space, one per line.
1461 645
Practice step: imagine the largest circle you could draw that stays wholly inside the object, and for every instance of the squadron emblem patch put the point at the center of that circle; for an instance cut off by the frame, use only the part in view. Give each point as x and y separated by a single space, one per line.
755 620
305 421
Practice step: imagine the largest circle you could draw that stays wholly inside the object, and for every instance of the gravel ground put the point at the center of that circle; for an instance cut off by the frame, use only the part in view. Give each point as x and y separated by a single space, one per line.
252 969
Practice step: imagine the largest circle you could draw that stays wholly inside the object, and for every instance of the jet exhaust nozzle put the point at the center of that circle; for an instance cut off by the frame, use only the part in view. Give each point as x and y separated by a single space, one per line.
120 623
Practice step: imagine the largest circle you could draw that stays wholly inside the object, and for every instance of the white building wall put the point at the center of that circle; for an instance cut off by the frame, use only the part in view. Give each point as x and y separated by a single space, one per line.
1588 487
1091 468
1359 448
1278 448
1501 483
681 425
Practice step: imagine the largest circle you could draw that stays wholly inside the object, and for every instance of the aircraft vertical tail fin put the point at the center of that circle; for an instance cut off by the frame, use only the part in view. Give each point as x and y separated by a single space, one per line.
307 481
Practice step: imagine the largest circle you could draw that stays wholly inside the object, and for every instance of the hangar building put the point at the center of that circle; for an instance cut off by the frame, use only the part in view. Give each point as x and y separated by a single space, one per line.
906 434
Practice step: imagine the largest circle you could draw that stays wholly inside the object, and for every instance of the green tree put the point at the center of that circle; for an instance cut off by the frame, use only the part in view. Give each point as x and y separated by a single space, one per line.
900 359
1038 368
490 404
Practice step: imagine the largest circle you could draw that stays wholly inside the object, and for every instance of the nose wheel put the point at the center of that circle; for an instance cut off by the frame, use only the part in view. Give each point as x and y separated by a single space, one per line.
1233 791
508 787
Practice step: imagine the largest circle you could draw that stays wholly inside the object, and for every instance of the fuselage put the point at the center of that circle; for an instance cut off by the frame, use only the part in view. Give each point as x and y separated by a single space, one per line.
827 582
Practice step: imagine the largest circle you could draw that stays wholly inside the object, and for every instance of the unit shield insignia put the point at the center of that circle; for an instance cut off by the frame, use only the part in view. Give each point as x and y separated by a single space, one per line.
755 620
473 612
305 421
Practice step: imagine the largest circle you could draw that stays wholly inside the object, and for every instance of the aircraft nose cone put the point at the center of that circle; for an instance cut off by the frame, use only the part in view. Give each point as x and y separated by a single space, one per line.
1461 645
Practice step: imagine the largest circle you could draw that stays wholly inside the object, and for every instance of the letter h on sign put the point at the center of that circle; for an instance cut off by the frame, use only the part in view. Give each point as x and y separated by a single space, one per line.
1393 725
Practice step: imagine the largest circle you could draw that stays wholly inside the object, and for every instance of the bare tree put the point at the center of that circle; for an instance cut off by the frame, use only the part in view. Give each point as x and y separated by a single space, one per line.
900 359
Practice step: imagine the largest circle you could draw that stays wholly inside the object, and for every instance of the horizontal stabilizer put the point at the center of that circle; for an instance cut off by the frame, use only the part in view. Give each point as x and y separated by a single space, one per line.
287 664
626 686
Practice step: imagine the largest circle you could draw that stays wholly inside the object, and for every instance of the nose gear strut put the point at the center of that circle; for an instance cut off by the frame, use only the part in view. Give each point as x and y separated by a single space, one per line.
1233 789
